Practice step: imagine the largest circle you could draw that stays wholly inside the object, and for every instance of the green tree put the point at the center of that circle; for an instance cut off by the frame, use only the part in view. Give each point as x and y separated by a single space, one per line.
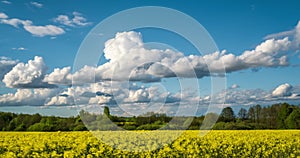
284 111
257 109
106 111
242 114
227 115
251 114
293 120
40 127
272 115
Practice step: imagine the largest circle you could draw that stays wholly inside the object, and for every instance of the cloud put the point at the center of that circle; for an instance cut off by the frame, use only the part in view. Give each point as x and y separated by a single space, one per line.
282 90
6 64
38 97
6 2
128 59
3 16
279 35
148 65
293 34
39 31
239 97
234 86
29 75
103 93
297 36
151 65
16 22
60 100
76 20
36 4
59 76
124 94
31 97
113 93
20 49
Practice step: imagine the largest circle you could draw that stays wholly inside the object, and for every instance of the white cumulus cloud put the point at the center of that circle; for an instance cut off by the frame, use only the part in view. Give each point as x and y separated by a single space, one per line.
128 59
282 90
60 100
152 64
32 97
27 75
59 76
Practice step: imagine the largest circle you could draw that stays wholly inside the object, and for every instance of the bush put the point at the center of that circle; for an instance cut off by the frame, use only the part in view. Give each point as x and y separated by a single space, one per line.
40 127
80 128
148 127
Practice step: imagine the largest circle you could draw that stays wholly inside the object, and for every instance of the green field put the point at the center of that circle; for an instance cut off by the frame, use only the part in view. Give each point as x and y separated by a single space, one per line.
256 143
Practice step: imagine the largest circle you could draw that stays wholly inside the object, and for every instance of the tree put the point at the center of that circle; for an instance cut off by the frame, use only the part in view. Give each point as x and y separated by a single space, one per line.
251 114
257 113
40 127
284 111
293 120
242 114
106 111
227 115
272 117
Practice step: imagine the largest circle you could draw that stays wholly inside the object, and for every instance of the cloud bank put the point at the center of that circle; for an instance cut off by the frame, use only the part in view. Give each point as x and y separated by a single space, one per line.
129 59
236 97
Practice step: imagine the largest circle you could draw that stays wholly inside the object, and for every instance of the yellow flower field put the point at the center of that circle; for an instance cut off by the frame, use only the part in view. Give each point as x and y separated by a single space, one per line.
260 143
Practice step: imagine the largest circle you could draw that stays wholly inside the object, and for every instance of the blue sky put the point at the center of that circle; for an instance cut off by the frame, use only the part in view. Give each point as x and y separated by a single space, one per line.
235 26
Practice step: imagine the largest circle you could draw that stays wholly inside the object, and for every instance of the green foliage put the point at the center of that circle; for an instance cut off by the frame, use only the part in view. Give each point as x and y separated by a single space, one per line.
40 127
293 120
106 111
227 115
284 112
242 114
149 127
80 128
277 116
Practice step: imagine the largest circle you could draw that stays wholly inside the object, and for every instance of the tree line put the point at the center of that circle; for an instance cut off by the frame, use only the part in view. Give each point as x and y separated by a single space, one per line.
36 122
276 116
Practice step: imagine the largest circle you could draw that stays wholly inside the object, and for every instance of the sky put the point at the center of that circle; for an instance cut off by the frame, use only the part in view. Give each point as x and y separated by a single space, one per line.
45 68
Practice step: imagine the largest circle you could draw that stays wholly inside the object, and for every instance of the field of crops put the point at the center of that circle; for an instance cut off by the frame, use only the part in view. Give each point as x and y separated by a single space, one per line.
268 143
